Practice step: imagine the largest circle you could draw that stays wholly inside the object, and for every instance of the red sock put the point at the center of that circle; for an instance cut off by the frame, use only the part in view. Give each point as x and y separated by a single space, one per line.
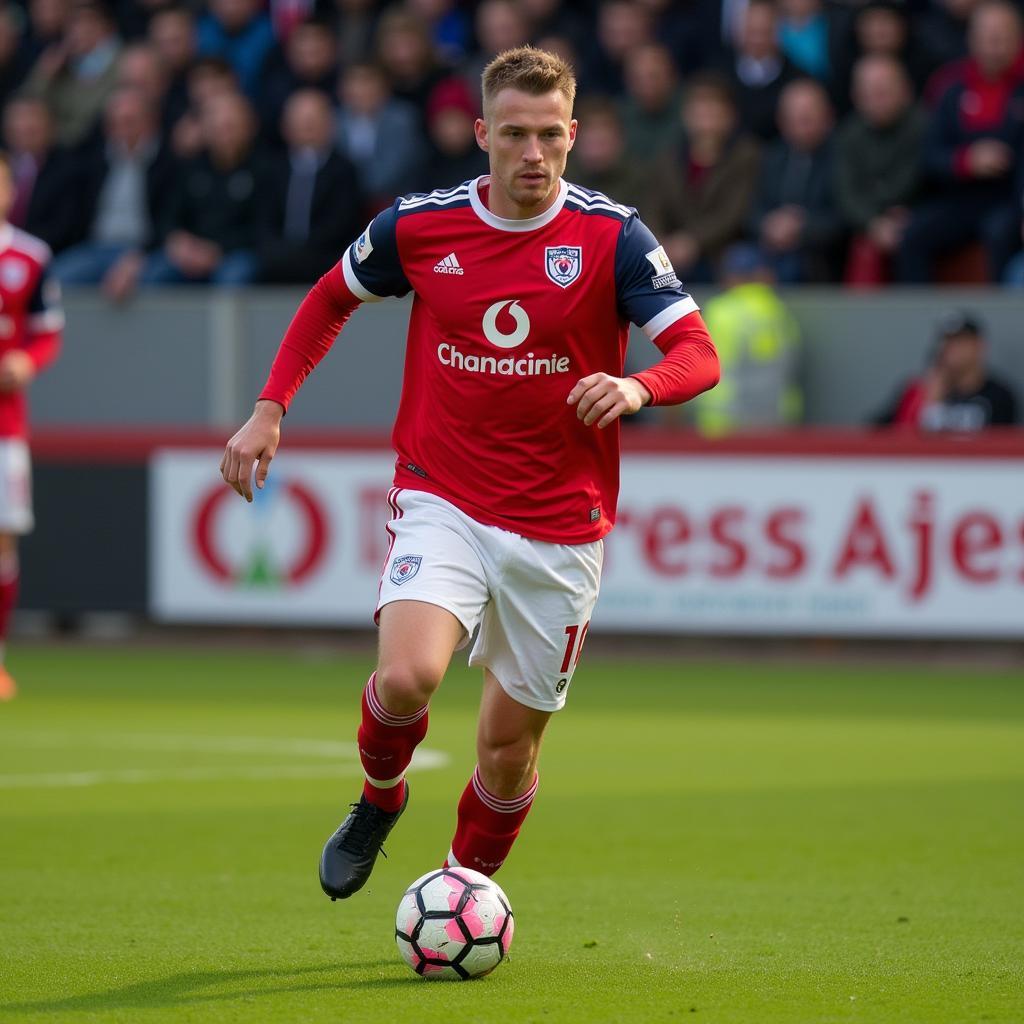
8 593
386 743
487 826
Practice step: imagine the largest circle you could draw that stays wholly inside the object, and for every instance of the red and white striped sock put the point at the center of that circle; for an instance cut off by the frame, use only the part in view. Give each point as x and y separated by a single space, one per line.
386 744
487 826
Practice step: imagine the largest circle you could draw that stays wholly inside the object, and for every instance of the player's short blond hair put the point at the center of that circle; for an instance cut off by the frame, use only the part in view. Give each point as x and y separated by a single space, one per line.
529 70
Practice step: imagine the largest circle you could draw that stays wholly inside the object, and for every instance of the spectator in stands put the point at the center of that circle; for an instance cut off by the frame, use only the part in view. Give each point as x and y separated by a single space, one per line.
241 33
47 23
794 217
957 391
447 24
356 22
172 32
307 60
313 204
500 25
759 69
881 28
454 155
14 57
378 133
131 178
601 158
699 193
1013 275
76 75
214 215
140 68
134 16
650 107
940 33
405 51
878 166
47 178
971 152
805 37
758 343
554 18
207 77
621 27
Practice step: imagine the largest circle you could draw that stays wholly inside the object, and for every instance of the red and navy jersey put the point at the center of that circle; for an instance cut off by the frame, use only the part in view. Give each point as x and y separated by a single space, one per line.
507 316
30 315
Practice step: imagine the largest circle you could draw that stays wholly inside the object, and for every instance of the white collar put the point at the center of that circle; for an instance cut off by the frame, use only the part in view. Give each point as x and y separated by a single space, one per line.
515 224
6 235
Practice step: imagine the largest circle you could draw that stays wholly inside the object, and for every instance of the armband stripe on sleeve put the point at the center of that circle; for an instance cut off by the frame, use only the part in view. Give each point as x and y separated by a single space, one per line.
668 316
355 286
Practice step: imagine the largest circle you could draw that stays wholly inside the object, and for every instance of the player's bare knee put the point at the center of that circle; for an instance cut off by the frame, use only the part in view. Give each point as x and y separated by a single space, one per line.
508 766
404 687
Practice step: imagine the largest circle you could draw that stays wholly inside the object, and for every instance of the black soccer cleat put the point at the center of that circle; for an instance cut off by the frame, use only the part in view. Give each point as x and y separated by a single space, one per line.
349 855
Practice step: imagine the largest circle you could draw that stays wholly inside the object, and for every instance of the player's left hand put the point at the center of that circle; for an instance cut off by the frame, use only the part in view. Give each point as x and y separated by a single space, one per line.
16 370
602 398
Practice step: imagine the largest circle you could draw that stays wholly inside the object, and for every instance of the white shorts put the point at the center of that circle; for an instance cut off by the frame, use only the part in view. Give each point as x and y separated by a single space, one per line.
529 602
15 486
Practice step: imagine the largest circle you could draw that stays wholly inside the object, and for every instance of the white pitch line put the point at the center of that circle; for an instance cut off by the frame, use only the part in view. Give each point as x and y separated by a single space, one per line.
347 753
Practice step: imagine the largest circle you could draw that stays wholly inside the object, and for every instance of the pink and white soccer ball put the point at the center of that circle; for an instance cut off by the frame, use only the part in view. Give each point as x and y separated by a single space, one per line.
454 923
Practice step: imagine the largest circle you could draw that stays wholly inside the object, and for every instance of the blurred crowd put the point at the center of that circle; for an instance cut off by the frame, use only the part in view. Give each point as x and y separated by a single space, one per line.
234 141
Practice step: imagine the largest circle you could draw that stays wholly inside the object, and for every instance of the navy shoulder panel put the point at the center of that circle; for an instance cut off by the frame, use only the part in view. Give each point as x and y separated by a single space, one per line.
439 199
588 201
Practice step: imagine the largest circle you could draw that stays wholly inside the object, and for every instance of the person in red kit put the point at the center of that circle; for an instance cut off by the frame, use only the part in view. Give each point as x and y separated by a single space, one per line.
972 151
507 441
31 322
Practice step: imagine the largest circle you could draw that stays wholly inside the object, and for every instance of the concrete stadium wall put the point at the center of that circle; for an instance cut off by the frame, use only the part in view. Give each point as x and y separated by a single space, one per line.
185 357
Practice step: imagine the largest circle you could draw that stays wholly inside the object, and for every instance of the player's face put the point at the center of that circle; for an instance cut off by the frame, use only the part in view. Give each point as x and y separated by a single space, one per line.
527 139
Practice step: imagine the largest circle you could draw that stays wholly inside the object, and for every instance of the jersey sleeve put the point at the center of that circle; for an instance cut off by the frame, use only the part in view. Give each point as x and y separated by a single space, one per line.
648 292
371 264
45 311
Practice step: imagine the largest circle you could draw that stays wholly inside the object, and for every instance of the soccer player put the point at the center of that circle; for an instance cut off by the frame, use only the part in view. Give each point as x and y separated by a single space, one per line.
507 439
31 322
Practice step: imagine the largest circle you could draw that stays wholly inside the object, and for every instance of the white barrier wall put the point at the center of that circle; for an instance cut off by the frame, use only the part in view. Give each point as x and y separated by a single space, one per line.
723 544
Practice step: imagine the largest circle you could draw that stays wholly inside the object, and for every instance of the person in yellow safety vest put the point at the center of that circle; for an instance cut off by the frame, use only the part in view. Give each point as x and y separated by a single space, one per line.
758 343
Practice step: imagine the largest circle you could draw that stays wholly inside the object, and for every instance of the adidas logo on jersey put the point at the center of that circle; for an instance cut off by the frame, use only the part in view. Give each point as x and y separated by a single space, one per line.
449 265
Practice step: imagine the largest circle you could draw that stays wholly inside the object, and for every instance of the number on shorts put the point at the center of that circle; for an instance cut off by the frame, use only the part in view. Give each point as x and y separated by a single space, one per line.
572 632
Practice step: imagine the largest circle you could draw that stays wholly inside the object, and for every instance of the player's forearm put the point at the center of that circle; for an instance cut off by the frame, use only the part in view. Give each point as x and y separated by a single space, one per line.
43 349
690 366
309 337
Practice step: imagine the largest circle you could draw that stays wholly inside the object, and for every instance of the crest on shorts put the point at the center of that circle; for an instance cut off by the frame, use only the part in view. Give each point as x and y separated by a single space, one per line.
404 568
563 263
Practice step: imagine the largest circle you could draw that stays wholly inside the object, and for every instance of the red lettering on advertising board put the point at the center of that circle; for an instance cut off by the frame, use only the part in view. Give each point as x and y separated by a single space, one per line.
373 514
864 545
776 532
922 530
735 551
664 536
974 535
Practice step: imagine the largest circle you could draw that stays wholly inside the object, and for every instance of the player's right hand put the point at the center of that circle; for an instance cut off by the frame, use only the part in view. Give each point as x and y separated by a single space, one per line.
255 443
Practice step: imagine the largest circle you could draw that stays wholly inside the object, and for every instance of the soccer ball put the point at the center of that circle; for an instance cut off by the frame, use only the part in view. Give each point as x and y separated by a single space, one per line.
453 923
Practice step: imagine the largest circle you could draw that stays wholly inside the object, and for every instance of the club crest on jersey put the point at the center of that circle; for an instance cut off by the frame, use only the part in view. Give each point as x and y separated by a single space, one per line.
404 568
563 263
13 274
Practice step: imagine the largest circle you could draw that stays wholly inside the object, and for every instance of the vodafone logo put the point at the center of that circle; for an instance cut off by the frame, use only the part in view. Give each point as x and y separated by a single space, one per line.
499 338
262 558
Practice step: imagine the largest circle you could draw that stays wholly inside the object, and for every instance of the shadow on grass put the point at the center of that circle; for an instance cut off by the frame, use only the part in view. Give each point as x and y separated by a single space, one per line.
193 987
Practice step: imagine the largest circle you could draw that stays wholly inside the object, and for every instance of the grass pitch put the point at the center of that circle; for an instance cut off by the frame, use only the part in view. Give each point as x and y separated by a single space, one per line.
747 844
